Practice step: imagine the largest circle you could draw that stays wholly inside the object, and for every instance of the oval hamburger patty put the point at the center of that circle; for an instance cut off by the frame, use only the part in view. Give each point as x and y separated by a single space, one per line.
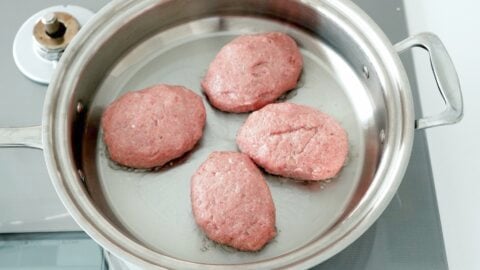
252 71
232 203
294 141
149 127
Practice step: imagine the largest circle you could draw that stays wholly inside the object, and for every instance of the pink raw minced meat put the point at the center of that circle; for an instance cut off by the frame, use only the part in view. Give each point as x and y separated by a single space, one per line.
232 203
252 71
149 127
294 141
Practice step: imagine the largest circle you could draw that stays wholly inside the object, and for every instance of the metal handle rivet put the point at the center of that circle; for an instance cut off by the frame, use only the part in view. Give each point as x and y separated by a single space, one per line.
366 72
79 107
382 135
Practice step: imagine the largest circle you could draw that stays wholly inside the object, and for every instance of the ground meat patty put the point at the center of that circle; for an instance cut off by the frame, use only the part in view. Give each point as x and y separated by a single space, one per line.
294 141
148 128
232 203
252 71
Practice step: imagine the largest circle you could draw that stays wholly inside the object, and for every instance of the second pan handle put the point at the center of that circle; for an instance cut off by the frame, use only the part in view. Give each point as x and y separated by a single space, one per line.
30 137
445 76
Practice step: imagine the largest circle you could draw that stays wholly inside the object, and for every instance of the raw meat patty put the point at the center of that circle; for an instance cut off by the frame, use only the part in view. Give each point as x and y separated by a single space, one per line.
294 141
148 128
232 203
252 71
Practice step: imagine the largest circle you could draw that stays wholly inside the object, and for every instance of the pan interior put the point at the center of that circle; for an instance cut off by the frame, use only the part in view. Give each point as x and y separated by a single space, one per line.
153 207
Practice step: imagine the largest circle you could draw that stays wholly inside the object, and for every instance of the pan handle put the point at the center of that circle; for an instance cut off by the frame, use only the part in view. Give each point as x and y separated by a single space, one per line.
445 76
30 137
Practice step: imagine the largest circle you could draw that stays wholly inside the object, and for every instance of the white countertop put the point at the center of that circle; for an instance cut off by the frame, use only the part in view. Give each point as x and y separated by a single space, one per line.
454 149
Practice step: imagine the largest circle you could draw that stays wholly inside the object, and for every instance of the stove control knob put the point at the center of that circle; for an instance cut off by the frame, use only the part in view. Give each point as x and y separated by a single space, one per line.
51 31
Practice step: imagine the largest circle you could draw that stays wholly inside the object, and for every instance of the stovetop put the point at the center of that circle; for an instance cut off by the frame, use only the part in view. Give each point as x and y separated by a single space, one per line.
408 235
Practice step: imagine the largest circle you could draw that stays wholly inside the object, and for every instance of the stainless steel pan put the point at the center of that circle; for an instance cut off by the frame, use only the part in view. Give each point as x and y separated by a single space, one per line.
351 71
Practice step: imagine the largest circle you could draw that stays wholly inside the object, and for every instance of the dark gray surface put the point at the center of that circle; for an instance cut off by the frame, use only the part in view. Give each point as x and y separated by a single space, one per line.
407 236
28 200
52 251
